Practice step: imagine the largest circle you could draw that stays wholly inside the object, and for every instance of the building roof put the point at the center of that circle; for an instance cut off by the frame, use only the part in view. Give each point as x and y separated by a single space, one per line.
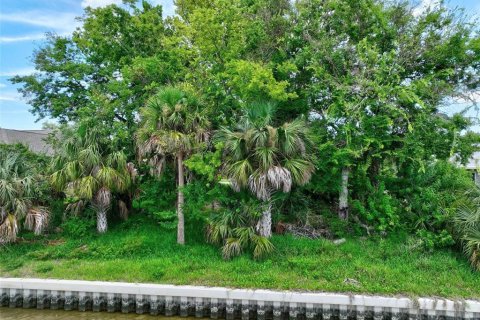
34 139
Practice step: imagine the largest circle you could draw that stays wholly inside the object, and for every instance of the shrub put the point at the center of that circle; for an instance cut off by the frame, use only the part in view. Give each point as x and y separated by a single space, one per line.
78 227
235 229
430 199
379 209
157 199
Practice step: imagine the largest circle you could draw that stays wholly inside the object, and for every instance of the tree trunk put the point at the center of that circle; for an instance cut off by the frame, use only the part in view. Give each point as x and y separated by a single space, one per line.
180 201
102 221
264 225
375 171
343 197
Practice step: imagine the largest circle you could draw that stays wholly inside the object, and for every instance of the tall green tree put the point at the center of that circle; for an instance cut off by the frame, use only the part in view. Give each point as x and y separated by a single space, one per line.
373 74
237 51
173 125
107 68
266 158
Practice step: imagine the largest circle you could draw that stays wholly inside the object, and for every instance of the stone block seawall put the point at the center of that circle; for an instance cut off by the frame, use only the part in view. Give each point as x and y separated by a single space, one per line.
224 303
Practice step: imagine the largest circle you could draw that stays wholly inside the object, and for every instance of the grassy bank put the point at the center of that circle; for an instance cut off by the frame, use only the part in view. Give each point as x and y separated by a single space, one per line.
138 251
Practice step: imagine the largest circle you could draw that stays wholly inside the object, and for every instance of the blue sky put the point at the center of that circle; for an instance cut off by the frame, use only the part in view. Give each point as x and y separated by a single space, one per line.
23 24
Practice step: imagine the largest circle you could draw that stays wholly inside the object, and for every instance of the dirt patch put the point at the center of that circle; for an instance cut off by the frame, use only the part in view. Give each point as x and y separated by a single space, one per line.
55 242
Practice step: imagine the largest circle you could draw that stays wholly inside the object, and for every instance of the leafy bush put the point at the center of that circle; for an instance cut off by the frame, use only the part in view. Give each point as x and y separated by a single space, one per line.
430 240
379 209
430 199
294 206
157 199
78 227
235 229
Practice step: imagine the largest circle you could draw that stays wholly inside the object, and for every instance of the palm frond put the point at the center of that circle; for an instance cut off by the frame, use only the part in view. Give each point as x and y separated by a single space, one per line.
260 114
280 178
123 209
265 157
240 171
103 198
259 185
109 177
21 206
37 219
262 246
58 180
294 137
76 208
472 247
85 187
9 229
231 248
156 164
89 157
117 160
301 170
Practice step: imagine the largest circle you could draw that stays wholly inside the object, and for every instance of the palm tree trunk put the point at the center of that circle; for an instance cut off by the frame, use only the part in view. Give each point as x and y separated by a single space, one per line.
102 221
264 225
343 197
180 201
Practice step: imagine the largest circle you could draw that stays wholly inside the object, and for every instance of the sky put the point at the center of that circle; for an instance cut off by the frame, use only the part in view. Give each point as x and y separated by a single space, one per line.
23 24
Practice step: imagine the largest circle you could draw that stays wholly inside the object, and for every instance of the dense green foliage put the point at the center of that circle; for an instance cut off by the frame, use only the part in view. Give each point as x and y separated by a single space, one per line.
21 192
326 115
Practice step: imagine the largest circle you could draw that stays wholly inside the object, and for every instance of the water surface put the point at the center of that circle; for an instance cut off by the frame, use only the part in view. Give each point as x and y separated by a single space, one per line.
34 314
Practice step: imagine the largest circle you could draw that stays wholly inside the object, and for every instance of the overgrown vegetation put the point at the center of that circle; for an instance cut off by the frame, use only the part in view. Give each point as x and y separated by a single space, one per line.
236 119
139 251
21 193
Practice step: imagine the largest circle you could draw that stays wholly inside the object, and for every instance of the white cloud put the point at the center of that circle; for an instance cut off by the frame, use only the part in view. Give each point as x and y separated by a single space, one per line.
2 85
20 72
51 20
10 97
99 3
30 37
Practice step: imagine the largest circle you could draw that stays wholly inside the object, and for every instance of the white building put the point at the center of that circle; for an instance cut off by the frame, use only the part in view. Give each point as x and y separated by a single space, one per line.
473 165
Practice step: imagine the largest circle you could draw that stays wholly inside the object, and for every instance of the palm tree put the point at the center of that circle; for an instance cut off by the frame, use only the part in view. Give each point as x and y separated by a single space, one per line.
88 172
172 127
19 188
235 230
467 223
265 158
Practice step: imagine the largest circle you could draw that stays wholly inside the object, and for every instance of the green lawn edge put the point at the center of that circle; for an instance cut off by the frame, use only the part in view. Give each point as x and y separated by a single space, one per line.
146 253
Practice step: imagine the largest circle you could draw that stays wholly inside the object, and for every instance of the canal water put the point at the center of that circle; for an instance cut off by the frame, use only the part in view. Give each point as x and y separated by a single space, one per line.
34 314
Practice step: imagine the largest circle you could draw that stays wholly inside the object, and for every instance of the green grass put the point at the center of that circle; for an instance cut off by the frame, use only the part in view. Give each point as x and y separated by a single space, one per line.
139 251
